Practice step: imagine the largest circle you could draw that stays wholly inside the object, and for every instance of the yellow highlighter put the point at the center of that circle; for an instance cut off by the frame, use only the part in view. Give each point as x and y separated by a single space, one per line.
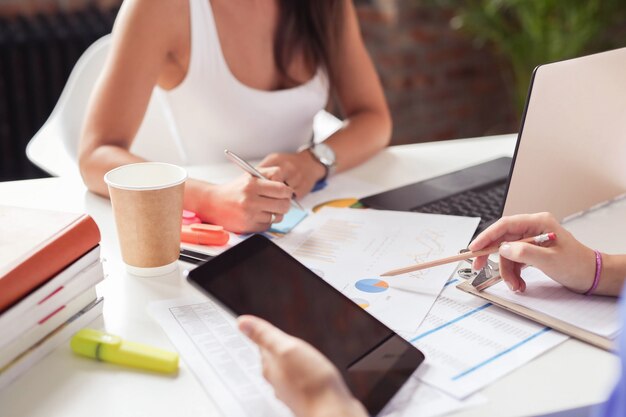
109 348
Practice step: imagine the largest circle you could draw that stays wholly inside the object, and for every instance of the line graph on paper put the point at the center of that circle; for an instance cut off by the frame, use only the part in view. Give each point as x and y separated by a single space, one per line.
429 245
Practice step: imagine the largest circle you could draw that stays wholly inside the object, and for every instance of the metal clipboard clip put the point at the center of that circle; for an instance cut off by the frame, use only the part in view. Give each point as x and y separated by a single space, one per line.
485 278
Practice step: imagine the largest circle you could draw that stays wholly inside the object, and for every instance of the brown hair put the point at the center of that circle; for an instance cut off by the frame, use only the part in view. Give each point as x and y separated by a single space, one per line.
313 27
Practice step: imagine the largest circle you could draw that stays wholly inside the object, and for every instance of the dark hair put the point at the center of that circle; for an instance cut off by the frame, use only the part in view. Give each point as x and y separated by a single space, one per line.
313 27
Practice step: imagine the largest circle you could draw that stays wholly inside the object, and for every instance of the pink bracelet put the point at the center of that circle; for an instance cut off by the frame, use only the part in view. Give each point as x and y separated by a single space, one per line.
596 279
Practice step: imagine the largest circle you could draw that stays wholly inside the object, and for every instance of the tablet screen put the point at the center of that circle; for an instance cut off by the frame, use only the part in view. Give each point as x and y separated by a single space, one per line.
257 277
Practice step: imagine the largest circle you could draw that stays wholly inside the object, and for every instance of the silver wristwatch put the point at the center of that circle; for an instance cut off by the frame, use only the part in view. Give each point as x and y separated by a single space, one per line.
325 155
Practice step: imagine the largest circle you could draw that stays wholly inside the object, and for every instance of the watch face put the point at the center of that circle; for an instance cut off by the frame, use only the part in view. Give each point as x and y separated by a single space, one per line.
325 154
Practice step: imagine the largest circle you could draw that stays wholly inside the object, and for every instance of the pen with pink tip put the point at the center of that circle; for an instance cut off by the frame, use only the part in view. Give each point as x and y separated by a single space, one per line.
545 237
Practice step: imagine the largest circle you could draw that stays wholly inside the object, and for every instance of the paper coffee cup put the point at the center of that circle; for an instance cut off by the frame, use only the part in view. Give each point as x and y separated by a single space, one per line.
147 200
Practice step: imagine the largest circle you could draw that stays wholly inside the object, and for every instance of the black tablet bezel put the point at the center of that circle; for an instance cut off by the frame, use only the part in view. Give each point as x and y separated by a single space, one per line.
393 378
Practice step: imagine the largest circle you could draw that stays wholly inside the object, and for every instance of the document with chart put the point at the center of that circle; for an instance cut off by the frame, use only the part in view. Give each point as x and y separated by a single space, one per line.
470 343
350 248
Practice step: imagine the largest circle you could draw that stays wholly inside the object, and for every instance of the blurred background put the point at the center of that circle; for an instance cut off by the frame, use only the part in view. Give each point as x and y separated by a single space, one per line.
450 68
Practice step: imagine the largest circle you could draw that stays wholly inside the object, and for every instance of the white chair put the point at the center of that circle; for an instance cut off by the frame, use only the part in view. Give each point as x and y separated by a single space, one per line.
55 146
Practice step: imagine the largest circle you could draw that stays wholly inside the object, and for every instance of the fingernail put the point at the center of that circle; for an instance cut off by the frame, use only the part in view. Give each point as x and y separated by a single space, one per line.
505 249
509 285
245 327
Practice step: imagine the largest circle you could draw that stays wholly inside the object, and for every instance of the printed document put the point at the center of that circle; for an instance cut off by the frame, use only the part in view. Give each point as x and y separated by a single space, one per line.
339 187
470 343
350 248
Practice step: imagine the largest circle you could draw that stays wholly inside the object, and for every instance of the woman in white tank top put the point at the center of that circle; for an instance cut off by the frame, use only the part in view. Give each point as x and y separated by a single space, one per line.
244 75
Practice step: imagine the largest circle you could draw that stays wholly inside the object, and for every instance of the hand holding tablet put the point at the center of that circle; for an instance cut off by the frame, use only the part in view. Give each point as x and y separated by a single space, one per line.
256 277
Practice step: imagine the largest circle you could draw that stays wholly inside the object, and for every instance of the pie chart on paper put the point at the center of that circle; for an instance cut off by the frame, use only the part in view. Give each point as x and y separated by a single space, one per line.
361 302
371 285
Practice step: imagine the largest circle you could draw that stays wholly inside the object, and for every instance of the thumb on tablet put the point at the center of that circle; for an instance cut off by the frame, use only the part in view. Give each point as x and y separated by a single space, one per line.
261 332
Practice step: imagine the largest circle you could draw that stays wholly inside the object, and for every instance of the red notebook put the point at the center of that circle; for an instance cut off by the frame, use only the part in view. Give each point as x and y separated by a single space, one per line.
35 245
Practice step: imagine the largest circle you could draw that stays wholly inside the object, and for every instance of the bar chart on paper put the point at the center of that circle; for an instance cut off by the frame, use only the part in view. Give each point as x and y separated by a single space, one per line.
351 248
329 239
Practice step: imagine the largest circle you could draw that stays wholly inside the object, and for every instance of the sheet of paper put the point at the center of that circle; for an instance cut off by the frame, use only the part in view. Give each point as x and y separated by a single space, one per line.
225 363
351 248
416 398
470 343
339 187
596 314
228 366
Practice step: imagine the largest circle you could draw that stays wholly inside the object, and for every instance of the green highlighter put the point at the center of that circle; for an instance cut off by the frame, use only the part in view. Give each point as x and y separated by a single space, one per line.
106 347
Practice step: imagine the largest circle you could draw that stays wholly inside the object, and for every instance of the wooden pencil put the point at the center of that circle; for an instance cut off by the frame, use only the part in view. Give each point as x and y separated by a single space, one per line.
465 255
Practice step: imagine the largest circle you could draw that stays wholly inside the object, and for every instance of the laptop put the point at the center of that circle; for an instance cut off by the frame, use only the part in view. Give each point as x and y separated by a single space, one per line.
570 153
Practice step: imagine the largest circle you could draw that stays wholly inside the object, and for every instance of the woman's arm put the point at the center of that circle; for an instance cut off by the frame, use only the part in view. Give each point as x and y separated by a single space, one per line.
368 123
139 52
367 127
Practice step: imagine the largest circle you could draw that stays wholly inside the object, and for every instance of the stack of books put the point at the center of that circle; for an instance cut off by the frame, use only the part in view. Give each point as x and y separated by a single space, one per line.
49 266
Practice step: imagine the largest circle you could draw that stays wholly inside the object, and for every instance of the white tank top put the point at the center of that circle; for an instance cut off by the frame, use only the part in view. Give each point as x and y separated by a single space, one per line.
212 110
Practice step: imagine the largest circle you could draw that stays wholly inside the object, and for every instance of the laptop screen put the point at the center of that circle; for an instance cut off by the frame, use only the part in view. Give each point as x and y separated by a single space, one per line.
571 152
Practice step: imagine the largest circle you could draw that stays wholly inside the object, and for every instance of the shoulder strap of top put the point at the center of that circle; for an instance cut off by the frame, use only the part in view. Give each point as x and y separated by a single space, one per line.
205 47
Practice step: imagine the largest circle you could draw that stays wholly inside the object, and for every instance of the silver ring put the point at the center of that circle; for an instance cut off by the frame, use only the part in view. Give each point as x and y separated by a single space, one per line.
273 218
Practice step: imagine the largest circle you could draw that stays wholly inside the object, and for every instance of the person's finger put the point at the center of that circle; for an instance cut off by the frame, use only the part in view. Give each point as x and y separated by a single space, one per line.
479 262
271 205
511 228
509 271
522 283
267 363
272 189
513 255
278 168
270 220
525 253
262 333
273 173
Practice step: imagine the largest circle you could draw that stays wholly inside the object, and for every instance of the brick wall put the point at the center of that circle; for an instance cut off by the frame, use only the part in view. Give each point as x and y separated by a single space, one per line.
438 84
28 7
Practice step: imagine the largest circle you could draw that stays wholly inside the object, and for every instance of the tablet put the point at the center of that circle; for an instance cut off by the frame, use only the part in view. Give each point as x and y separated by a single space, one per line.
257 277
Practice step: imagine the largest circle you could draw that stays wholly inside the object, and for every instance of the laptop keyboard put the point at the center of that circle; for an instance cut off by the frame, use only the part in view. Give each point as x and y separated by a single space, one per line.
484 203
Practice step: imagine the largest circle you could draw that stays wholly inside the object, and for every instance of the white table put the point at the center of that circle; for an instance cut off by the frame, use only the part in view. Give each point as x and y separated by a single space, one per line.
572 375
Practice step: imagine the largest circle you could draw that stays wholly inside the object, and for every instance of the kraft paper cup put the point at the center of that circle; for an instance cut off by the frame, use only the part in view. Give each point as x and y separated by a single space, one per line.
147 201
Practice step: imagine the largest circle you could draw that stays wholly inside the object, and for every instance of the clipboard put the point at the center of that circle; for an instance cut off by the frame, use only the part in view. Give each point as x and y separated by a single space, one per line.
542 318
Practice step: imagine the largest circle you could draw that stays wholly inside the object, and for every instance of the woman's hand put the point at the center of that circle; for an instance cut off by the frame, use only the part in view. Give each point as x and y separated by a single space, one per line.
565 260
299 170
245 205
302 377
